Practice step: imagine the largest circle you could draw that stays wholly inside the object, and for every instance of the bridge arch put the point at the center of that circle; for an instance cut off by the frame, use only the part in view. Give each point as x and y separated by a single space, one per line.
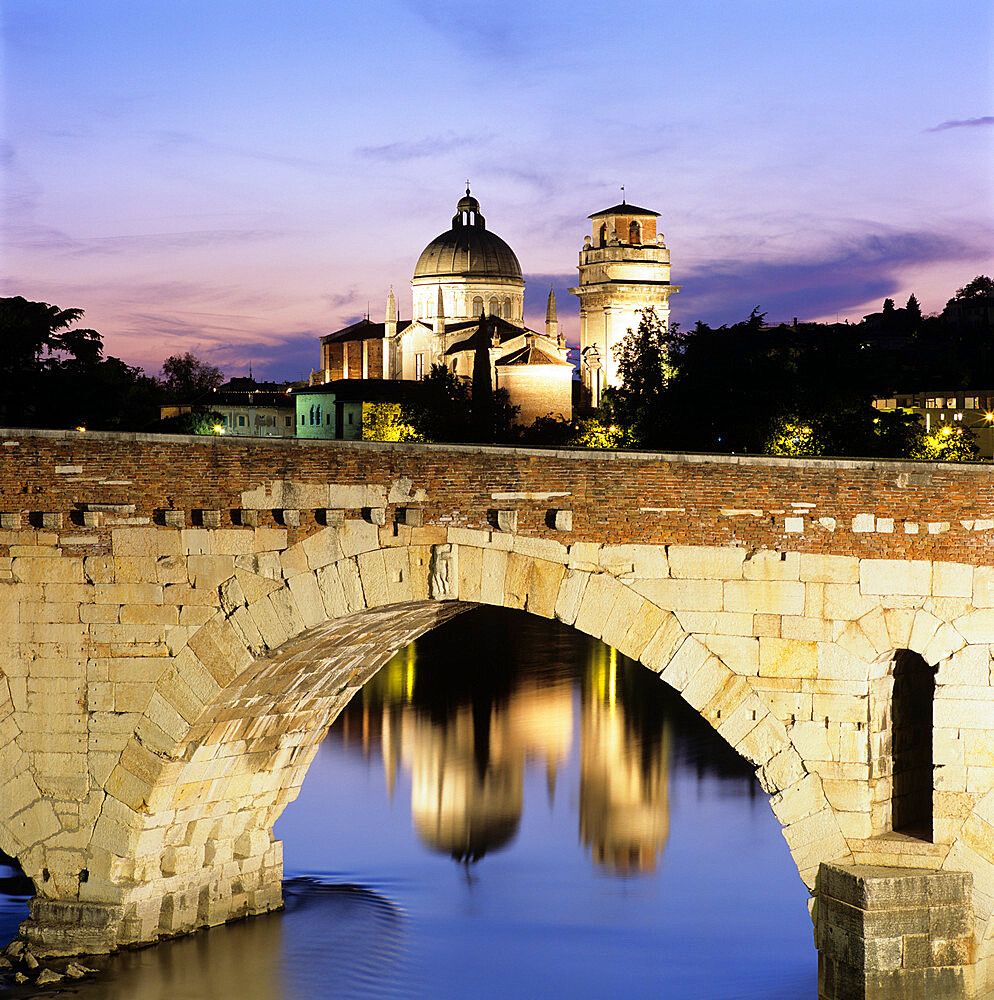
184 838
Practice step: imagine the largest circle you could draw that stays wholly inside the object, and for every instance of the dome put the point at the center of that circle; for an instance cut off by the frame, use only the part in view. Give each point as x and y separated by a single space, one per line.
468 249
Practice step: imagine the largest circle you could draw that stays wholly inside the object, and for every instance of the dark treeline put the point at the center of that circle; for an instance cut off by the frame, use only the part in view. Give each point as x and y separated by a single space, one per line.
795 389
799 388
53 373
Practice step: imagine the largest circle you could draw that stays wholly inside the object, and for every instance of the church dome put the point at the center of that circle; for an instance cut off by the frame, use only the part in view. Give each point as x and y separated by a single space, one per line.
468 249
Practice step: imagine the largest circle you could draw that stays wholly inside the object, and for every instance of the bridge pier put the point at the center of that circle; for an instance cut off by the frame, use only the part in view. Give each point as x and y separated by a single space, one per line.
162 907
894 933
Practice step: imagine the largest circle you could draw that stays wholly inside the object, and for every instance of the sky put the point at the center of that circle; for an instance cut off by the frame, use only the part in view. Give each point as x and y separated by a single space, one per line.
237 178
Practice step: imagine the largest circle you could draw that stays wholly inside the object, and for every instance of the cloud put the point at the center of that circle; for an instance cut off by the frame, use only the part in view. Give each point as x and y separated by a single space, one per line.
842 278
34 237
962 123
191 145
431 145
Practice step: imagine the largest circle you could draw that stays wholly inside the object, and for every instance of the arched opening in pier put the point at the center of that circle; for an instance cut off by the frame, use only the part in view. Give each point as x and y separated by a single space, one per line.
911 745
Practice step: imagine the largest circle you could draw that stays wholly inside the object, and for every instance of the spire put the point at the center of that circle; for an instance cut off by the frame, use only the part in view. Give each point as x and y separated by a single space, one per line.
551 320
391 314
390 335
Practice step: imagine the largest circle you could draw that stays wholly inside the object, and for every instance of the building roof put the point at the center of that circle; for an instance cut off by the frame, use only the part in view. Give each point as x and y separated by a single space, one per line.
247 392
504 329
363 330
624 209
468 249
366 390
532 354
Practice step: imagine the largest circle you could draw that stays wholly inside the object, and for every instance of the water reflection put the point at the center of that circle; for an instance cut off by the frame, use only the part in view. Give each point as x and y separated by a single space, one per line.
465 727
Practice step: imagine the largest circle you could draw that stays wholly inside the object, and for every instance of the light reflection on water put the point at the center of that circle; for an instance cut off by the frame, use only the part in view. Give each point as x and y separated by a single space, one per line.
521 812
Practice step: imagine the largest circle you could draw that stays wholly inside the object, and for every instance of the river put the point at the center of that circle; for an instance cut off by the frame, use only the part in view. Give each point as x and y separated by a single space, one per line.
508 809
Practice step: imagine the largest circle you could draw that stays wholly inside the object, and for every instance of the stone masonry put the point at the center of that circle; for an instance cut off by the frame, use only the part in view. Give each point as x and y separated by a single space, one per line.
181 619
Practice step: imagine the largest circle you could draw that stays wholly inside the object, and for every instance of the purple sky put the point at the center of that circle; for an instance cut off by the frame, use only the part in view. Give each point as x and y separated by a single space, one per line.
239 178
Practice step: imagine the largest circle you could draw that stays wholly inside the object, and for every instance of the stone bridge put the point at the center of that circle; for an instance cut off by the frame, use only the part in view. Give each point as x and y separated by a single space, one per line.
181 619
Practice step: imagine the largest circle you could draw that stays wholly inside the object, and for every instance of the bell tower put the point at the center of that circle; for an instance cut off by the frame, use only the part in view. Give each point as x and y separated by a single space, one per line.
624 267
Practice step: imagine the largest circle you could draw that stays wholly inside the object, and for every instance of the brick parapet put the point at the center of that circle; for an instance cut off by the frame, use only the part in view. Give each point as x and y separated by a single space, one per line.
873 509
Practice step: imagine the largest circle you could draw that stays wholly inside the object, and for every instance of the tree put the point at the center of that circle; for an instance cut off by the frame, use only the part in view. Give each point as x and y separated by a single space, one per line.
914 309
948 444
38 340
385 422
644 371
443 412
186 378
981 287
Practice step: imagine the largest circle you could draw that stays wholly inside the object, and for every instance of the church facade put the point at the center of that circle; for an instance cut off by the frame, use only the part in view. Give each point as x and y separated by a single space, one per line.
467 295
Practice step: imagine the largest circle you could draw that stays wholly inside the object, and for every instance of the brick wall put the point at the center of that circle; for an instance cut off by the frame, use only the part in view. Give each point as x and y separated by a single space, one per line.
867 509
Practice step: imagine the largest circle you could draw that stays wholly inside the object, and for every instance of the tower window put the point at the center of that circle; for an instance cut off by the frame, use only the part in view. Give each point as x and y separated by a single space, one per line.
419 366
634 232
603 235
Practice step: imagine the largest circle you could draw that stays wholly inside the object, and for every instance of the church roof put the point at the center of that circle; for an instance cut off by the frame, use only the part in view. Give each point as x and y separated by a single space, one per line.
363 330
532 354
624 209
468 249
504 329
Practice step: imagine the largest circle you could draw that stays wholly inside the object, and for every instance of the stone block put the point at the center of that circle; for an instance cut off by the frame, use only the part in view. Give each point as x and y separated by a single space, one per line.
772 597
560 519
492 577
506 520
817 568
411 516
683 663
952 580
787 657
599 597
677 595
977 626
772 565
895 576
695 562
739 653
660 648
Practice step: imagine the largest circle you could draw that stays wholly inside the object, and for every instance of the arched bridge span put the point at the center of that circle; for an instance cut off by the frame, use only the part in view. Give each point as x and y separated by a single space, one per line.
184 618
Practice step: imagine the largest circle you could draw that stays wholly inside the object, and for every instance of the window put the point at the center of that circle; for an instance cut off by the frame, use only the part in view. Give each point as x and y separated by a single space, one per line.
419 368
312 417
224 421
634 232
350 416
951 403
301 419
970 403
507 309
494 307
603 236
957 416
932 403
241 421
288 422
318 415
327 420
477 306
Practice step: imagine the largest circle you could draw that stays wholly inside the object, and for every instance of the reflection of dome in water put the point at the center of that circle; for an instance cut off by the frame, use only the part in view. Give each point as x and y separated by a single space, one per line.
466 838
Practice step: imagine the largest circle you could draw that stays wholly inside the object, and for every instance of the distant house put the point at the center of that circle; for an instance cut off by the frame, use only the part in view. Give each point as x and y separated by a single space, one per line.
972 408
335 409
247 408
